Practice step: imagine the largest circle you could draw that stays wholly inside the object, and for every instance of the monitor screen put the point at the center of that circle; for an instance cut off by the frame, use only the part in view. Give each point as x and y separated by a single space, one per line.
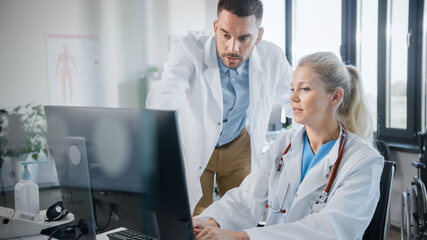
114 144
173 210
135 171
275 121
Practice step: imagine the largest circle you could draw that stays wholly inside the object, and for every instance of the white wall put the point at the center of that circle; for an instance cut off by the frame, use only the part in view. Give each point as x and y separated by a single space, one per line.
170 18
210 11
24 23
157 20
133 35
183 18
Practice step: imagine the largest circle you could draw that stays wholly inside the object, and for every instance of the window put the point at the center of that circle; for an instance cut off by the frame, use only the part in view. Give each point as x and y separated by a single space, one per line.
311 26
385 39
367 48
316 26
397 33
273 22
400 37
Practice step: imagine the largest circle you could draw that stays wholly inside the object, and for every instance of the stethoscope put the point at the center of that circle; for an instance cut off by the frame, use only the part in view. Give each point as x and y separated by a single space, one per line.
323 197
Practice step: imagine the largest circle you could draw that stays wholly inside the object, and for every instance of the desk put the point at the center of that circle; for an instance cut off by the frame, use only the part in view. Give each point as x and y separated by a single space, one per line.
102 236
67 219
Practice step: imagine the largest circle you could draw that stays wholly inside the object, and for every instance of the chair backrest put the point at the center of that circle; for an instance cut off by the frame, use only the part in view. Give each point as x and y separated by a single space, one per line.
383 148
377 227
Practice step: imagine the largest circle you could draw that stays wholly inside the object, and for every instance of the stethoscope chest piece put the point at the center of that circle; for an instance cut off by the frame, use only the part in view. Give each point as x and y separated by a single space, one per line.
322 198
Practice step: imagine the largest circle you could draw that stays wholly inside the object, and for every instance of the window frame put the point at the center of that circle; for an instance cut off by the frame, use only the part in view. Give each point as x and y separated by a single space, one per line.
414 74
349 46
416 70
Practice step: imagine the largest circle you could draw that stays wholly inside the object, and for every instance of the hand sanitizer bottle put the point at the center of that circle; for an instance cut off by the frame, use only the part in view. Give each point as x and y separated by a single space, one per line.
26 191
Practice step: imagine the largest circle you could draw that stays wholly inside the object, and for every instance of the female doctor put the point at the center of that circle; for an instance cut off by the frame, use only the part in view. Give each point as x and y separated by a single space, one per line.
318 182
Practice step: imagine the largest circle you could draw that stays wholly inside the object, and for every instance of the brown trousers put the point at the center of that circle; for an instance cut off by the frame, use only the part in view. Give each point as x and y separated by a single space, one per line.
231 163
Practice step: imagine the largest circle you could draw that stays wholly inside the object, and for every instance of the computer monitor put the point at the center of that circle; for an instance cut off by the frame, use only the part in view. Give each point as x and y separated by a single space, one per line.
136 173
275 121
173 212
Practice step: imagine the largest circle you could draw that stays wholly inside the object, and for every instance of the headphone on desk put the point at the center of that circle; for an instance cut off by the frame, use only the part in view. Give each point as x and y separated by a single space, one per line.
56 212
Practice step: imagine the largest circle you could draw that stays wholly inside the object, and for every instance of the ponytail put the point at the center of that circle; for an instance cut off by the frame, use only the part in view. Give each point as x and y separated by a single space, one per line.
354 112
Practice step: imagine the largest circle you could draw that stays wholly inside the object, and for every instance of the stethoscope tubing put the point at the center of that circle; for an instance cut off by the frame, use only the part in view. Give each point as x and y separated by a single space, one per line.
324 195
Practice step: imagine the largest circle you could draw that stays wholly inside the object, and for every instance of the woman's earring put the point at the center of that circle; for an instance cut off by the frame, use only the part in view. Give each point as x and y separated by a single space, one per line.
332 108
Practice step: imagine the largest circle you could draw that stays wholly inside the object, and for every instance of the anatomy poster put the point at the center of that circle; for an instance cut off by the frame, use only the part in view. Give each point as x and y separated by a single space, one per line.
74 70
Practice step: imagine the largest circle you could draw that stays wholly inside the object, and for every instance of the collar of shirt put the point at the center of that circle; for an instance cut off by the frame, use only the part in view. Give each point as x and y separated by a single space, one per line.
224 69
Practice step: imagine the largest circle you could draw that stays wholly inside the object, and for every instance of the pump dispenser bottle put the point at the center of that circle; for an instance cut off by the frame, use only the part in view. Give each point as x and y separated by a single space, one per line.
26 191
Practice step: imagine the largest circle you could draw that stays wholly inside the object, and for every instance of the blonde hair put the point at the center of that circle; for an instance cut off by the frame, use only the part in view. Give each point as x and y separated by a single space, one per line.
353 111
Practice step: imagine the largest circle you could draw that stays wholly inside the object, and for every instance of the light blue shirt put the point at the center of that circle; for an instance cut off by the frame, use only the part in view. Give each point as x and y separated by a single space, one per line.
309 160
235 95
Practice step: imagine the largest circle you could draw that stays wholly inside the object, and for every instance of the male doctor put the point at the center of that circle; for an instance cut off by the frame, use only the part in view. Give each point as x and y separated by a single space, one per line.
223 87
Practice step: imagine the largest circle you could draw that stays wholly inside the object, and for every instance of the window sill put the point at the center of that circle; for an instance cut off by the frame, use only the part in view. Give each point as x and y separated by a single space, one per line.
404 147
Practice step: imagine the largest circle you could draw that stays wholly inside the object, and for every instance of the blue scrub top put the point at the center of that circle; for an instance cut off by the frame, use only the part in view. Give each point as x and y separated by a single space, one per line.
309 160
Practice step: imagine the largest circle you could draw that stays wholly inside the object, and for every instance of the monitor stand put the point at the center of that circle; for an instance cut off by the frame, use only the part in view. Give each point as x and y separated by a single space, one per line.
80 201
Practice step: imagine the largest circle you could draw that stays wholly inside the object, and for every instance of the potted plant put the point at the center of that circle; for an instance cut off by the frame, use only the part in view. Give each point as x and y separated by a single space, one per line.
22 132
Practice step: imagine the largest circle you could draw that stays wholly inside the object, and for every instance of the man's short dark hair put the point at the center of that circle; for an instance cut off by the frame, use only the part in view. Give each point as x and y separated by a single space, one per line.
242 8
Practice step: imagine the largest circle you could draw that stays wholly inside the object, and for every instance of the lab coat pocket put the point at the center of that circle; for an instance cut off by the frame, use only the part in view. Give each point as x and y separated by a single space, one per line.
316 207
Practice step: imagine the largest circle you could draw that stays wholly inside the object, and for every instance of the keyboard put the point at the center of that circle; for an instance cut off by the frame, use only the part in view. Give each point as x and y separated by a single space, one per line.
129 235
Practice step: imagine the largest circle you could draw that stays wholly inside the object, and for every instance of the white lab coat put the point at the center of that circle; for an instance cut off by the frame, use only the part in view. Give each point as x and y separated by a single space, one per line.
191 84
351 204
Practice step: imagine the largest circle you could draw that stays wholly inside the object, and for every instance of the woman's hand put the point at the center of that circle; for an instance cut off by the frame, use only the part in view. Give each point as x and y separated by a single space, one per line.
210 232
199 225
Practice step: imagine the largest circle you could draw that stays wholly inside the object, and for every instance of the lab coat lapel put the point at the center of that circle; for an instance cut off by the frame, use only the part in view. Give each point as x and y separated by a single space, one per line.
256 78
292 161
318 176
211 72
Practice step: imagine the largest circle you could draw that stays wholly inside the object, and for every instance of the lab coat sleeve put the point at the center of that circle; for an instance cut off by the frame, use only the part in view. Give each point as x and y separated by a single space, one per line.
170 91
244 206
284 85
346 214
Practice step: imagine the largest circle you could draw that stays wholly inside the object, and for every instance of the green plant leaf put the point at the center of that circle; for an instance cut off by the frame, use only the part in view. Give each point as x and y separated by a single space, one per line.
46 152
34 126
16 109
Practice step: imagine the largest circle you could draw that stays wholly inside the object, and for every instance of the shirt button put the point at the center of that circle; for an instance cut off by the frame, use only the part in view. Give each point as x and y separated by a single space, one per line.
219 124
327 175
296 195
200 167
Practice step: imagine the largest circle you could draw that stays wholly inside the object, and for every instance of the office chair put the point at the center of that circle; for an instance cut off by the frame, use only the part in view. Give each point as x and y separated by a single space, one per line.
383 148
377 229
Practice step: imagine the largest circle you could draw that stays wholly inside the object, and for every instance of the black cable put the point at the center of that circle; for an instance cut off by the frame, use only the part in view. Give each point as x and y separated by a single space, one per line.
98 230
81 234
62 228
1 181
53 233
1 175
